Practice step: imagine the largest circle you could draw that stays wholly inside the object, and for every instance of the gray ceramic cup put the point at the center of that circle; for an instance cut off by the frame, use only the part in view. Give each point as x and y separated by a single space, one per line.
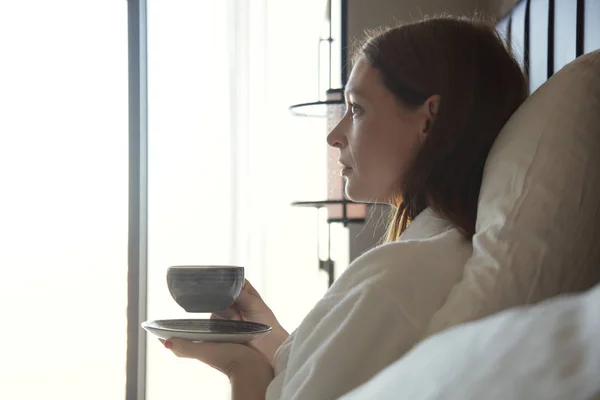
205 288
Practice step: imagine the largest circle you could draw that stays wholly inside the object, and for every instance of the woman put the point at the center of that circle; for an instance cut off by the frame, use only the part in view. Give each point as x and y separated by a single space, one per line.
425 102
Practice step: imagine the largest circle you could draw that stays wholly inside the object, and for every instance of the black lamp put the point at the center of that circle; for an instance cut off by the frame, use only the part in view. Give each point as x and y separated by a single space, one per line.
332 107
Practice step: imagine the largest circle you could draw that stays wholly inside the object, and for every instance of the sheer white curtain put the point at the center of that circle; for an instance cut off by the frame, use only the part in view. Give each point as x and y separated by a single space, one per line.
226 159
190 191
63 199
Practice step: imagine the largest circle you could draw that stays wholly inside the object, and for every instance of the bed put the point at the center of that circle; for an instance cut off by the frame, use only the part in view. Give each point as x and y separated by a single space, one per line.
547 34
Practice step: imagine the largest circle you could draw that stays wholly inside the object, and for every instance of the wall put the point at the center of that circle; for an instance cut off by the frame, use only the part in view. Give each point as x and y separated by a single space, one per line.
363 14
374 13
498 8
371 14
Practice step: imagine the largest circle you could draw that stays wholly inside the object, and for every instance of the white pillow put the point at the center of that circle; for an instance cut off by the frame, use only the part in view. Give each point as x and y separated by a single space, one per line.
538 223
550 351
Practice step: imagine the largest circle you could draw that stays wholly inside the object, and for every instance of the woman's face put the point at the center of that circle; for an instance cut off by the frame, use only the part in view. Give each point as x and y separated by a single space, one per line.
377 137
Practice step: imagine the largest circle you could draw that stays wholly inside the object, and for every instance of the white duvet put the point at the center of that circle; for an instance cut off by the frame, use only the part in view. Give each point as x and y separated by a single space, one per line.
550 351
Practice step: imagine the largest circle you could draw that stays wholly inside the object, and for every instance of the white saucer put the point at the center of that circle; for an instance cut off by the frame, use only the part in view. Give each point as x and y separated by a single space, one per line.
206 330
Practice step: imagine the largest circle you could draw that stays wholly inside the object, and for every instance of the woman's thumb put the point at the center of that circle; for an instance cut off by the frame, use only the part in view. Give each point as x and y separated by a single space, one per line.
249 289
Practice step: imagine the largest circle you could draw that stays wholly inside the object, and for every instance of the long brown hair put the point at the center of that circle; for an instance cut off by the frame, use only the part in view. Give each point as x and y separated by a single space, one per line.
480 85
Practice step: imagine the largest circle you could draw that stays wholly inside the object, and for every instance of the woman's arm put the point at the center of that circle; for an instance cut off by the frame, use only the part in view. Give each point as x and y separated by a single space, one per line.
250 382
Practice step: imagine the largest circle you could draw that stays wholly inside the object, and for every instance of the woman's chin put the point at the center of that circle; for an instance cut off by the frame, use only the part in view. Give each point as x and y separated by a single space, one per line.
360 194
353 193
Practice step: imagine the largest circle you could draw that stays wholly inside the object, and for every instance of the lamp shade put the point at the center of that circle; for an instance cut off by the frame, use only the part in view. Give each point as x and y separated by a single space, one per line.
334 104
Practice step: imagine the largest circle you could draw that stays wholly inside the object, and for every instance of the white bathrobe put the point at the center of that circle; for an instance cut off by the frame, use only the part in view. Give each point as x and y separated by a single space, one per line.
373 314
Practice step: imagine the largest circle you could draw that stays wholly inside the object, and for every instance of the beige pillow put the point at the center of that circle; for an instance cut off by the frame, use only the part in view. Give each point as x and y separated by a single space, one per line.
538 223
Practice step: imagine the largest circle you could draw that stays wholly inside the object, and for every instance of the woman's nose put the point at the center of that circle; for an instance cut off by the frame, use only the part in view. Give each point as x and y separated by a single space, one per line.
337 137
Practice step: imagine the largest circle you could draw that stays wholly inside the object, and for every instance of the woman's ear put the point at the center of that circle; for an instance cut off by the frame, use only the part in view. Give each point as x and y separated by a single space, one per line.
430 109
433 106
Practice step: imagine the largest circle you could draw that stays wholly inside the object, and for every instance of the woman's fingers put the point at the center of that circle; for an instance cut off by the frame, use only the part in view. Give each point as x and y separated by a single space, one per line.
249 289
221 356
248 305
204 351
228 313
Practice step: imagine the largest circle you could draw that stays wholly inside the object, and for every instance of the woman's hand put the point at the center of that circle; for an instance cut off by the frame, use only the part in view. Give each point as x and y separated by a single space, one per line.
248 371
249 306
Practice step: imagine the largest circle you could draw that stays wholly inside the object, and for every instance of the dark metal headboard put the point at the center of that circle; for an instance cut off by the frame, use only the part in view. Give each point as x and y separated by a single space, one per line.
547 34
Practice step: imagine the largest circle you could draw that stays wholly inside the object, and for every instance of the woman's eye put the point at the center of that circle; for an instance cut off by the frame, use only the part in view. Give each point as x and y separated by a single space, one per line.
355 109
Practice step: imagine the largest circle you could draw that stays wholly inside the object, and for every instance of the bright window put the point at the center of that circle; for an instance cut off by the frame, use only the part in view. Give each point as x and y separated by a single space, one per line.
64 199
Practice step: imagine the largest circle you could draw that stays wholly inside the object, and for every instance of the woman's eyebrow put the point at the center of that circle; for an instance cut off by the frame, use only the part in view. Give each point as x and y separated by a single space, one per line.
354 91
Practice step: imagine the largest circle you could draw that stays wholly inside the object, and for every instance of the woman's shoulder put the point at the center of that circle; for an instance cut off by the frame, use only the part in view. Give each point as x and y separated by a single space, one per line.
409 255
407 270
428 231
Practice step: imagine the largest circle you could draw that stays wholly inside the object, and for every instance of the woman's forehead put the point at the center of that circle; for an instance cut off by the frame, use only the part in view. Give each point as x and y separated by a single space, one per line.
364 81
